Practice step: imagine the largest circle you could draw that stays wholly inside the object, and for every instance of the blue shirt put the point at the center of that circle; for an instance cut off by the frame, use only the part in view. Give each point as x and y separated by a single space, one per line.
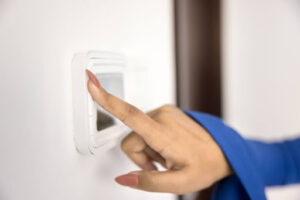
256 164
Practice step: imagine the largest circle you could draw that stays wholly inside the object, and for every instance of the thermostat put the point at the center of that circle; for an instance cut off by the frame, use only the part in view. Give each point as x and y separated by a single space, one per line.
94 128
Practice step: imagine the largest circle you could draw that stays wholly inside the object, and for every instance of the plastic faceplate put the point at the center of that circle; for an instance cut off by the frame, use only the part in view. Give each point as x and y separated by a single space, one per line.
109 67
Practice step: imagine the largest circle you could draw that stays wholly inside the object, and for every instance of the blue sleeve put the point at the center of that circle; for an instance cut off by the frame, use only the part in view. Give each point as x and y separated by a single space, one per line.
256 164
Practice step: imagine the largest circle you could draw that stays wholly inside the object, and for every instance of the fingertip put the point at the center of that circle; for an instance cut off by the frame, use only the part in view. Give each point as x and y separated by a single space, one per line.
96 93
93 78
92 88
130 180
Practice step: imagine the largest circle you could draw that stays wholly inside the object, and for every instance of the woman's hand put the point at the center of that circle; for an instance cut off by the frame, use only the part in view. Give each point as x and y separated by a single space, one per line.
168 136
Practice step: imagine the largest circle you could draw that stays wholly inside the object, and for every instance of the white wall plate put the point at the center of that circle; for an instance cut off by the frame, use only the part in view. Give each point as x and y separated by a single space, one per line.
94 128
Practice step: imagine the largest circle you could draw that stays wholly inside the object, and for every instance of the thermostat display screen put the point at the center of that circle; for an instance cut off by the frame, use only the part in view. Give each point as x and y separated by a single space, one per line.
112 82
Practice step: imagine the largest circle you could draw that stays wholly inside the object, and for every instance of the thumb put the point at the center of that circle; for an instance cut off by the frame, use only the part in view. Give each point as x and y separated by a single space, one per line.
156 181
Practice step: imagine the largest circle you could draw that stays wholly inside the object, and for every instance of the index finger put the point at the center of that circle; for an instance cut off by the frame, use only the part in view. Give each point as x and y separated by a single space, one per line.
127 113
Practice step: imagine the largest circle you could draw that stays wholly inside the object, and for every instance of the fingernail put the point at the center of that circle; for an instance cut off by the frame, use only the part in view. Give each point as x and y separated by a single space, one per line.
93 78
130 180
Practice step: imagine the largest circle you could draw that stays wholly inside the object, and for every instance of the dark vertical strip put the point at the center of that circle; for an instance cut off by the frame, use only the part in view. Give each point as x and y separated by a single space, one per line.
198 47
198 59
176 45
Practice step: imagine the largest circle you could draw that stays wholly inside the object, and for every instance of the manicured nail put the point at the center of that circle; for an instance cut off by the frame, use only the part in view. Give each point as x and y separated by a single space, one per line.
130 180
93 78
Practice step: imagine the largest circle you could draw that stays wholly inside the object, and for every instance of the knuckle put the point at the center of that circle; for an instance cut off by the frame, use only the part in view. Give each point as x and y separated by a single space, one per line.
167 107
161 116
129 112
132 143
124 144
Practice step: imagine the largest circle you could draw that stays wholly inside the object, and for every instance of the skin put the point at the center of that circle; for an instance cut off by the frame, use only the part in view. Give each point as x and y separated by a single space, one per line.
166 135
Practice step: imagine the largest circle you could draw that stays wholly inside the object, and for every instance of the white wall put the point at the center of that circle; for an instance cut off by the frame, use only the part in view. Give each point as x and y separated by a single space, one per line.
37 41
262 68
